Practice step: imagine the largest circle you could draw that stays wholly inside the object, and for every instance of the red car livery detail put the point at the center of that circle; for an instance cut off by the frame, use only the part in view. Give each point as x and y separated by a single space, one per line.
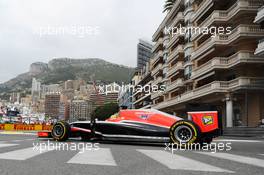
146 125
149 116
206 120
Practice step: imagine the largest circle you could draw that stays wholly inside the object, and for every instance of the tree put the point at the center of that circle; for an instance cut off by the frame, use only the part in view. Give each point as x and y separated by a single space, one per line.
105 111
168 5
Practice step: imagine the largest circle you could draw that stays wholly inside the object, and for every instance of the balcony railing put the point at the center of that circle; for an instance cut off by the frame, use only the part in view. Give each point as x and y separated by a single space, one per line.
174 38
157 44
156 95
157 80
202 8
177 19
157 56
175 52
241 30
216 86
141 98
178 66
260 50
177 83
226 15
156 69
226 62
205 5
260 16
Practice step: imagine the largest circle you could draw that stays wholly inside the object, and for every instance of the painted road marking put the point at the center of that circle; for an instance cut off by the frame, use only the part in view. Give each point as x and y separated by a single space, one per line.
17 133
102 156
17 140
232 140
23 154
236 158
173 161
2 145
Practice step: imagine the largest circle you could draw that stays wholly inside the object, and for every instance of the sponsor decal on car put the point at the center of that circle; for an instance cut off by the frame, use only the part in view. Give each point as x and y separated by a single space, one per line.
144 117
207 120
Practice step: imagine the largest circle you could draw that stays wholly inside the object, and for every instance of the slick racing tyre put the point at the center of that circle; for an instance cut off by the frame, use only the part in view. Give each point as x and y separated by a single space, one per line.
184 132
60 131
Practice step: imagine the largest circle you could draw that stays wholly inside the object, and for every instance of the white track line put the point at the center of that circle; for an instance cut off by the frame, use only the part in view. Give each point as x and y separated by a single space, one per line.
232 140
102 156
22 154
2 145
177 162
236 158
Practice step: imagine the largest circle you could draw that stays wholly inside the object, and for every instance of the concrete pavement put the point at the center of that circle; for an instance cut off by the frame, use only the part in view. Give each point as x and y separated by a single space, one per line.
18 156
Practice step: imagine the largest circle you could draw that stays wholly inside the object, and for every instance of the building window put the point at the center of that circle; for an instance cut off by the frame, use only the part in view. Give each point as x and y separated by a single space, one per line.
188 72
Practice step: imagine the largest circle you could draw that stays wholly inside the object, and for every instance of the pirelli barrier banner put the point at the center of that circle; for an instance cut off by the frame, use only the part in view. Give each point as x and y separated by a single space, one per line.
24 127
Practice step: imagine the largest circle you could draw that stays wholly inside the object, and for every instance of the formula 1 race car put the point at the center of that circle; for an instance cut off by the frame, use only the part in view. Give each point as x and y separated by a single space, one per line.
147 125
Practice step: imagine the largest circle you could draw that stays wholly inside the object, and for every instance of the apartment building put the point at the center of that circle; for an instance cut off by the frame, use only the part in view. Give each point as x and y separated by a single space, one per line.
80 110
260 20
52 105
100 98
142 82
223 70
144 53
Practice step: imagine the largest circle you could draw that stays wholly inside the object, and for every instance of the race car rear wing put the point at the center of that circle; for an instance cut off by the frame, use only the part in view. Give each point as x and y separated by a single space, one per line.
206 120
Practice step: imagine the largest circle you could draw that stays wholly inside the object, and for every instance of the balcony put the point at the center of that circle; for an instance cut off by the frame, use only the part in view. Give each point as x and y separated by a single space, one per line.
174 85
260 16
157 56
260 50
215 87
242 30
177 19
226 15
174 10
178 66
155 95
226 62
141 98
157 80
174 39
175 52
158 44
202 9
157 69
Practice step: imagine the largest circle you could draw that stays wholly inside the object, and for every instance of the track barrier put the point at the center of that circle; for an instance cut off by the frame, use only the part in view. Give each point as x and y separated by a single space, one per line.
24 127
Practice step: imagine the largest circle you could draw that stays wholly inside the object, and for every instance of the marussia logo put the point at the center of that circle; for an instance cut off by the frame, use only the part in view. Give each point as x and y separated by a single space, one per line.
207 120
145 117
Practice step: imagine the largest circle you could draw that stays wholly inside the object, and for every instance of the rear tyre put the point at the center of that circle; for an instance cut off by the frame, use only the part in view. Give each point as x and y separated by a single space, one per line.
184 132
60 131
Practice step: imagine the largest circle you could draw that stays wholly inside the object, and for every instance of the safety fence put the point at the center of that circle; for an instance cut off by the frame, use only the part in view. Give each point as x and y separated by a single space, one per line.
24 127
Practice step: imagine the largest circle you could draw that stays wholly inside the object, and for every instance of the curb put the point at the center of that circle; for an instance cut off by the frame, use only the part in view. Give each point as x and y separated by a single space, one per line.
17 133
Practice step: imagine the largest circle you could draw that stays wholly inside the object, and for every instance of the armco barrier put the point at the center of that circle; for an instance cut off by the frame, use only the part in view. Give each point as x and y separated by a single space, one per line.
24 127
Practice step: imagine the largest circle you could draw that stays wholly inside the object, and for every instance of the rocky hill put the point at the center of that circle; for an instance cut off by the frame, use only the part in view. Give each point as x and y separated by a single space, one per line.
62 69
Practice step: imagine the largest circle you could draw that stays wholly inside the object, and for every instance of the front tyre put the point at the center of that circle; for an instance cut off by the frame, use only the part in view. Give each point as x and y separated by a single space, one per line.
60 131
184 132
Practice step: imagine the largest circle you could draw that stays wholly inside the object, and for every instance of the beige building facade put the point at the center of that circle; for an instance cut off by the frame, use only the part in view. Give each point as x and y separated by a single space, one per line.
224 70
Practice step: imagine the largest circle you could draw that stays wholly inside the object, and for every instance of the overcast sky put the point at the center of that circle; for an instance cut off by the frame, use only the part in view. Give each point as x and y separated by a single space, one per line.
39 30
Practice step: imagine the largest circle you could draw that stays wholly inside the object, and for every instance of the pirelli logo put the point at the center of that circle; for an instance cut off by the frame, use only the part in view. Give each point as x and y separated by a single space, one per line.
207 120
